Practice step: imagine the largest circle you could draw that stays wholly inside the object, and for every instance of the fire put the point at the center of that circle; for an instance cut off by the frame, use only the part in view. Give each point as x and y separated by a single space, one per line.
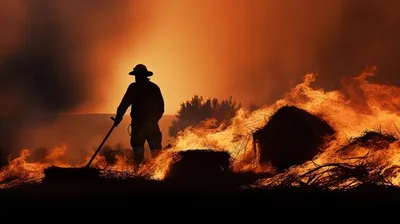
359 107
21 170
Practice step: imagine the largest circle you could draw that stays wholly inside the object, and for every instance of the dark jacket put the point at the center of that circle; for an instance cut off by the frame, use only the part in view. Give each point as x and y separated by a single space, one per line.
146 101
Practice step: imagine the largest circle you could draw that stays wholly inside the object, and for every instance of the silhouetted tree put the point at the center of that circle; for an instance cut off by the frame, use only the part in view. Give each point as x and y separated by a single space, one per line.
197 110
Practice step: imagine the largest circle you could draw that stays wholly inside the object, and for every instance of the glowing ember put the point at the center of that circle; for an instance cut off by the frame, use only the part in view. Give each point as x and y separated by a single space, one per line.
366 107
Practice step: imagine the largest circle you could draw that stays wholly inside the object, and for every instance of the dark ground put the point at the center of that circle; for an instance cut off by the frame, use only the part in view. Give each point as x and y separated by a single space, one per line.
139 191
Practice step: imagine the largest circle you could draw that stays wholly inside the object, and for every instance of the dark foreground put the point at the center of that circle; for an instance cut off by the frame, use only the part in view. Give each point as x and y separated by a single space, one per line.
138 191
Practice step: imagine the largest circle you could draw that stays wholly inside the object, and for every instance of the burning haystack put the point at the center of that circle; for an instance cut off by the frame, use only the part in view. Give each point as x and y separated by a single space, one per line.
199 166
292 136
371 139
352 171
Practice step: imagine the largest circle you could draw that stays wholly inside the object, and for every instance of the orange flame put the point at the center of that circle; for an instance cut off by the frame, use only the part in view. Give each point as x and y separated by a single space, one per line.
361 106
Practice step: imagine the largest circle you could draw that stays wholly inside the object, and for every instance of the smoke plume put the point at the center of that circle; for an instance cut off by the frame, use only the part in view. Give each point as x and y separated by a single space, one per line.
55 57
256 50
67 56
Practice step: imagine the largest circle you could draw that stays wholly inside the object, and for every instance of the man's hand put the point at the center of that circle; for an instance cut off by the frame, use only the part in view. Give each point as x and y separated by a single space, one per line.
117 120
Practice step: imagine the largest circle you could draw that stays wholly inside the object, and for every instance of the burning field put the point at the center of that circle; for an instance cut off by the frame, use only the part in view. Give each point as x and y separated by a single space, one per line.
328 140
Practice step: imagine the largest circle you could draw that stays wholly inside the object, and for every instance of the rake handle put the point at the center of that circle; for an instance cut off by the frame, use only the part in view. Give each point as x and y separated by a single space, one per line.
101 144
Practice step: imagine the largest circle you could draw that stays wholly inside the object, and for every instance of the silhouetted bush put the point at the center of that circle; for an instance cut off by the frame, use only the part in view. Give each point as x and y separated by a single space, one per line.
197 110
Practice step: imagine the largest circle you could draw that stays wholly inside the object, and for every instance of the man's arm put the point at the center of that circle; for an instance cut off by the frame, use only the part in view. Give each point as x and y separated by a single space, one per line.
124 104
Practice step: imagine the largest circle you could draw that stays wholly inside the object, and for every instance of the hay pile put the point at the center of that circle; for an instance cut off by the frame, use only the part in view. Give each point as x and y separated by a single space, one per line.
354 172
292 136
370 139
199 166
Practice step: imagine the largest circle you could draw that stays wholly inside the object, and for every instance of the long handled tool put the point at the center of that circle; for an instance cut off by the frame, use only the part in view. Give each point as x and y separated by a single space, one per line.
101 144
54 173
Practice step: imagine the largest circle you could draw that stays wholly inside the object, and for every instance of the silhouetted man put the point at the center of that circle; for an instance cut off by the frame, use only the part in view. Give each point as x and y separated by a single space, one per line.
147 108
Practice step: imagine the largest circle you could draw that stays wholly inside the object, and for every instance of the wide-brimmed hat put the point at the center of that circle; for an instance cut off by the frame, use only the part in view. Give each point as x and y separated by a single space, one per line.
141 69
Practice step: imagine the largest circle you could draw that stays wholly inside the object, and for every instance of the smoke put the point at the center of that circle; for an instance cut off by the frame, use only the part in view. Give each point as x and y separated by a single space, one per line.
73 56
256 50
367 35
54 56
332 38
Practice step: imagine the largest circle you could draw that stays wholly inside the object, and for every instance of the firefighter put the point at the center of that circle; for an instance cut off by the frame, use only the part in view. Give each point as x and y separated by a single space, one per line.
147 107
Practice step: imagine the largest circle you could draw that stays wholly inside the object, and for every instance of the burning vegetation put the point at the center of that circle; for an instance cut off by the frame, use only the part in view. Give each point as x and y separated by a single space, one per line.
313 138
291 136
351 169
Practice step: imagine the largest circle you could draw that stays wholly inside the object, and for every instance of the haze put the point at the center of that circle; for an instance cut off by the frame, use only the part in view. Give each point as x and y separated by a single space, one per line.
73 56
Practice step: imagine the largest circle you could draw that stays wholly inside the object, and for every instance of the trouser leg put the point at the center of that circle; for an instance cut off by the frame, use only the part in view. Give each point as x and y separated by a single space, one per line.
137 143
155 141
138 154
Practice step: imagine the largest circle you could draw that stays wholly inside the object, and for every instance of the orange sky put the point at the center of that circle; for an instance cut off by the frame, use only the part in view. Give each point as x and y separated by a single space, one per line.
183 43
209 47
253 50
74 56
